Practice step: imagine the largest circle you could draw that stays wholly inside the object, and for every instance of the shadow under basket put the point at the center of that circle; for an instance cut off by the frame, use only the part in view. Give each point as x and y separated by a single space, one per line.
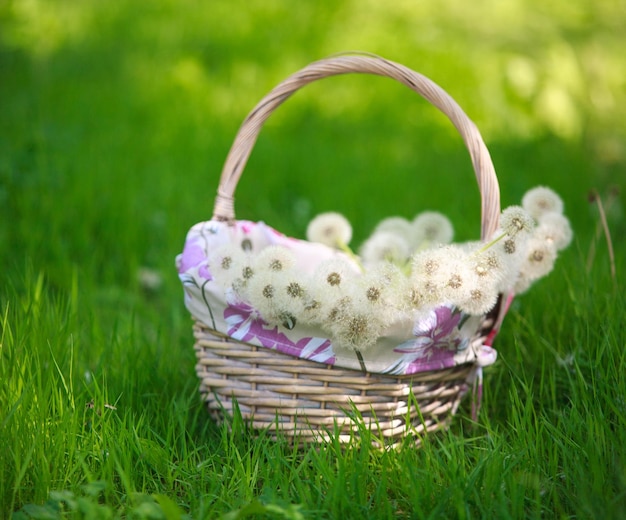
311 402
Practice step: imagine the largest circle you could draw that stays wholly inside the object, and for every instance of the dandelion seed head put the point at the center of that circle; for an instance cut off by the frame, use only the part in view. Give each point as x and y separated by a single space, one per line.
357 332
431 293
224 263
522 284
489 265
373 294
384 246
292 293
397 226
454 286
312 311
426 264
377 290
437 262
274 259
337 312
149 279
414 298
480 300
509 246
555 228
516 219
280 298
295 290
331 229
455 281
431 228
542 200
243 274
333 279
261 292
539 261
431 266
333 274
540 258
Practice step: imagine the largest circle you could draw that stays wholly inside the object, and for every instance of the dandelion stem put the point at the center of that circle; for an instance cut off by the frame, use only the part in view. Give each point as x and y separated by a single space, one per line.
489 244
361 360
607 234
346 249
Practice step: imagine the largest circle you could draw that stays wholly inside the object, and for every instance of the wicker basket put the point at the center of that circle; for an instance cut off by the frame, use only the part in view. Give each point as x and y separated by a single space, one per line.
311 400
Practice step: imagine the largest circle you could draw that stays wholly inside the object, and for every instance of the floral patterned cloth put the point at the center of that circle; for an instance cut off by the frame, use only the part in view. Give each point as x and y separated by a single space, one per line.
439 338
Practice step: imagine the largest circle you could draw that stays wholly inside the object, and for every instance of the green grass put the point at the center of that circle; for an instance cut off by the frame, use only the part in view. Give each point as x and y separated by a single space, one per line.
114 123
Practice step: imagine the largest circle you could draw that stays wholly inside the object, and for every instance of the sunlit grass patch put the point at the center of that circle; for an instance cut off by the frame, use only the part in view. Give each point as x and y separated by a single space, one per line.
116 119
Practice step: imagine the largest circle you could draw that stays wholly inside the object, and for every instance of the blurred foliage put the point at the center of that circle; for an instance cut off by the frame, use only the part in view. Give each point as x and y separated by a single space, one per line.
135 96
521 68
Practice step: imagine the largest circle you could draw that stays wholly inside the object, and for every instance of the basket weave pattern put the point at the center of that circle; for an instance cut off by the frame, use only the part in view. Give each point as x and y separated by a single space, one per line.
307 399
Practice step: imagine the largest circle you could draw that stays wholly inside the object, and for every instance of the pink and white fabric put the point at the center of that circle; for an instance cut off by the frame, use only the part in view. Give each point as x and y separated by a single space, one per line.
440 338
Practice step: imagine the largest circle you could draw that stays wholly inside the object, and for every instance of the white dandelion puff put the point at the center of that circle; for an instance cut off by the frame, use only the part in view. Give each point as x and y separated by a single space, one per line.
446 272
149 279
456 285
495 268
335 312
436 274
331 229
244 271
522 284
480 300
509 246
378 292
431 228
384 246
280 298
357 331
422 294
312 311
333 274
556 229
292 294
516 220
274 259
426 264
224 264
435 263
332 281
539 259
261 293
488 265
396 225
510 251
542 200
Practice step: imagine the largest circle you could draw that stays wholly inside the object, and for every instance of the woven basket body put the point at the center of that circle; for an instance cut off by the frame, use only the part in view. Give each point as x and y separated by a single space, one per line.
313 402
310 399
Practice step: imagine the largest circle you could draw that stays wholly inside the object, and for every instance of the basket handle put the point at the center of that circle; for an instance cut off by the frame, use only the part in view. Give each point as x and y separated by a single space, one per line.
366 64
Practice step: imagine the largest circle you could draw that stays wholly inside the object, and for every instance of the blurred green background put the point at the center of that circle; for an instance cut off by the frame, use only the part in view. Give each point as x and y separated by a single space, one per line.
117 116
